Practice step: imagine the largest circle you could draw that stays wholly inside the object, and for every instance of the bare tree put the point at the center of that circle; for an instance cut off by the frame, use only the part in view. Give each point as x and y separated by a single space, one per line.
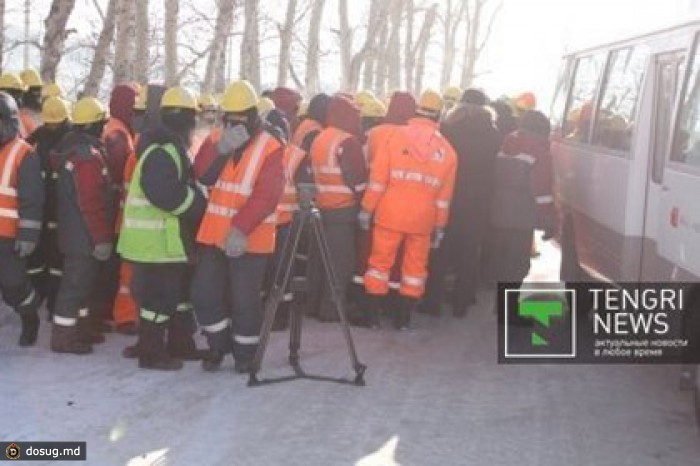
452 18
125 43
286 31
2 31
476 39
250 45
217 51
55 37
100 58
409 53
313 48
422 47
142 45
172 8
352 63
392 60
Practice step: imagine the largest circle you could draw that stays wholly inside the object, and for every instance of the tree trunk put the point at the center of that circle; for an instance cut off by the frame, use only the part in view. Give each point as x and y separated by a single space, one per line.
313 48
286 43
217 52
345 40
99 60
393 49
380 58
476 40
54 37
250 45
172 8
223 71
125 43
409 54
369 46
2 32
142 45
422 46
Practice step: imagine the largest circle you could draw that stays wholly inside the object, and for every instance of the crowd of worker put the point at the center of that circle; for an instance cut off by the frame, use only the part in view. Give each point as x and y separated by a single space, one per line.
164 213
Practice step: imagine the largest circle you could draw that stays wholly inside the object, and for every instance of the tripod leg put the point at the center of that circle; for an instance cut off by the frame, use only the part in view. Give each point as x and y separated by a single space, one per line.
335 294
282 276
295 337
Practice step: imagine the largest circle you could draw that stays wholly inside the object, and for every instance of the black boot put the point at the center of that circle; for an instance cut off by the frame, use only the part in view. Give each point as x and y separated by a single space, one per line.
243 354
368 316
64 339
220 344
402 317
30 328
152 353
181 344
88 330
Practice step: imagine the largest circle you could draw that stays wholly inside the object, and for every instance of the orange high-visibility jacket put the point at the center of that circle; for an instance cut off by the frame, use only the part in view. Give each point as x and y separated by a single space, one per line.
293 156
11 157
115 125
232 190
333 193
412 179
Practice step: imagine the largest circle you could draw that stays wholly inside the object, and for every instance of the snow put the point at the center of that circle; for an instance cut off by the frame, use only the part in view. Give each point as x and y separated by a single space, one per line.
435 395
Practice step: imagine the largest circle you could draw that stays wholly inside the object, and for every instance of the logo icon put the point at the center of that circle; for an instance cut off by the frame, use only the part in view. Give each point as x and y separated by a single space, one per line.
12 451
539 323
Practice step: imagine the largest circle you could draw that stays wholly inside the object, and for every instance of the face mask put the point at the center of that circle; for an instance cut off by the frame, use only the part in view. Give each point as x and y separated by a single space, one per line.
233 137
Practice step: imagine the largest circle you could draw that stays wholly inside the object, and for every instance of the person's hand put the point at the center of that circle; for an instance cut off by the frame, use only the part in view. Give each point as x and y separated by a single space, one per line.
236 243
437 237
24 249
232 138
364 218
102 251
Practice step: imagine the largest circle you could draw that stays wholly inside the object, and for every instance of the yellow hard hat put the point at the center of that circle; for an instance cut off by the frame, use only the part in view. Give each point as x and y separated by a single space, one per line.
207 101
430 103
54 110
239 97
364 97
303 108
51 90
265 104
88 110
11 81
374 108
179 97
31 78
141 98
452 93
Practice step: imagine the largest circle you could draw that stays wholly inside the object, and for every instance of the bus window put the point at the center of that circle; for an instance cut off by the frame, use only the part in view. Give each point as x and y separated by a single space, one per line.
556 114
579 110
686 147
614 122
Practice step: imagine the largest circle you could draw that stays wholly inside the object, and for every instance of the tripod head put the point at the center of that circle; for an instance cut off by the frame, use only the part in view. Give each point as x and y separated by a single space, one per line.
306 193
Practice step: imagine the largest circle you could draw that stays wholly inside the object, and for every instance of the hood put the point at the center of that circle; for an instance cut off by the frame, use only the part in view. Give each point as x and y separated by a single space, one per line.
475 114
121 103
402 107
159 134
344 115
318 107
286 100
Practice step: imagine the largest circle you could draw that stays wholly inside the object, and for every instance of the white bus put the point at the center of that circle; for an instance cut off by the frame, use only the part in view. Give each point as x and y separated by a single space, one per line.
626 149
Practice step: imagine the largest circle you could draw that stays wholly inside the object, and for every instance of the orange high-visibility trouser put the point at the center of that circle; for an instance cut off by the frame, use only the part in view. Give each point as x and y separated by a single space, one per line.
385 244
124 306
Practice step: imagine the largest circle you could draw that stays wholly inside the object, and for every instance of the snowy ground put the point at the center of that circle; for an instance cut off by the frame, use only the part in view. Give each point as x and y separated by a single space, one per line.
434 396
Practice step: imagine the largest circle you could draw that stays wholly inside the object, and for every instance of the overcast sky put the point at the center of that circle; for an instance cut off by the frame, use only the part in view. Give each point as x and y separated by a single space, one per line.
526 44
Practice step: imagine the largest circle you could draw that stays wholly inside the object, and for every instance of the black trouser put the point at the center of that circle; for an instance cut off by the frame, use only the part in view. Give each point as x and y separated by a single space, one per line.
441 263
15 286
511 255
225 288
80 273
340 227
106 288
159 289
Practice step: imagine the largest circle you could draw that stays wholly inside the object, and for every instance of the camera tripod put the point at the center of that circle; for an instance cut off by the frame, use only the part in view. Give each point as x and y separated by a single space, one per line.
311 216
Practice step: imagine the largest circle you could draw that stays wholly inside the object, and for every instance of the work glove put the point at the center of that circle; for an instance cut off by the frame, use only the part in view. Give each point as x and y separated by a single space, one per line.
232 138
24 249
236 243
436 238
364 218
102 251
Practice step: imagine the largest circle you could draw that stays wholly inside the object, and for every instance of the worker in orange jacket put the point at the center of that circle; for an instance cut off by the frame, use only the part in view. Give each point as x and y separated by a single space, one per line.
411 184
237 235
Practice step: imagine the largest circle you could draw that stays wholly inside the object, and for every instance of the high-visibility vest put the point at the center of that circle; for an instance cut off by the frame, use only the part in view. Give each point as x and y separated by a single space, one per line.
293 156
11 156
115 125
231 192
333 193
149 234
